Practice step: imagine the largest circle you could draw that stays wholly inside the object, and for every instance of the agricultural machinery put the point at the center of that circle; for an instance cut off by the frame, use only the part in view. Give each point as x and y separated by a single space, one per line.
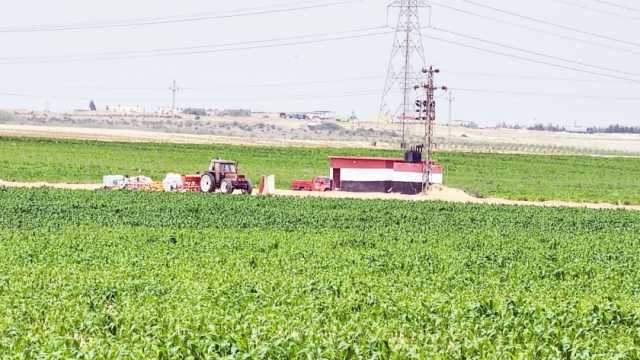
223 175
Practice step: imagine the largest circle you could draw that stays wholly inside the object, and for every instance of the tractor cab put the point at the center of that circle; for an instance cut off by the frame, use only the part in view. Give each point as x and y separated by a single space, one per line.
223 169
223 175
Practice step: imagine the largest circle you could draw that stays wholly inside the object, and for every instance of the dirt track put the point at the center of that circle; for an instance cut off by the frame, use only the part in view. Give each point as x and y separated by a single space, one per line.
439 193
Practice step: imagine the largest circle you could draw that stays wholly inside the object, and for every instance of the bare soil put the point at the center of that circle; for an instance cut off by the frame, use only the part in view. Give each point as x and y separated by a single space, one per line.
122 135
286 132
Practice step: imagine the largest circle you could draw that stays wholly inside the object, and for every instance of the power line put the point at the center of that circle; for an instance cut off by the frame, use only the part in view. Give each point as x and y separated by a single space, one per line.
234 85
543 94
495 52
533 52
611 3
599 11
371 92
549 23
165 20
205 49
107 88
338 81
536 30
525 77
331 82
33 96
294 83
196 47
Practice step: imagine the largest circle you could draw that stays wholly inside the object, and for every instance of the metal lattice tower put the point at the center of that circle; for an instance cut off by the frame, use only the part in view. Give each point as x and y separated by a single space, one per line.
405 64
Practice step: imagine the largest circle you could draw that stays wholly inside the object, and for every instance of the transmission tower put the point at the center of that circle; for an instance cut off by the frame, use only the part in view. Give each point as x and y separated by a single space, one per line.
405 64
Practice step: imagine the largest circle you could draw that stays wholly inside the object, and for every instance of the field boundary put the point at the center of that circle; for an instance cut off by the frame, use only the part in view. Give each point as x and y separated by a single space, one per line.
437 194
150 136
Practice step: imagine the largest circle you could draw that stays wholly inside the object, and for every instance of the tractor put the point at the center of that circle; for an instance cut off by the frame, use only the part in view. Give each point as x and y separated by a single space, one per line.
223 175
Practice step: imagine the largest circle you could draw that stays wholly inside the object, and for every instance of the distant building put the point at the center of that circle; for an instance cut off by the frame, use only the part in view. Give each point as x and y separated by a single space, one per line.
23 112
309 115
322 115
165 111
297 116
124 109
577 129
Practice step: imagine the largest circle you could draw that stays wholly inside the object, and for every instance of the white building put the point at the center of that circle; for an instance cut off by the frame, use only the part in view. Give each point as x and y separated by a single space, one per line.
124 109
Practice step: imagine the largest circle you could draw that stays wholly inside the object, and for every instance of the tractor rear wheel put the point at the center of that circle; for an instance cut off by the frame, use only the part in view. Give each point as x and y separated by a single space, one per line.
207 183
226 187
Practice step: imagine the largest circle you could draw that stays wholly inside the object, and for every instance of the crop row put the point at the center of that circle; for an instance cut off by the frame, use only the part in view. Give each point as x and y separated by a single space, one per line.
101 274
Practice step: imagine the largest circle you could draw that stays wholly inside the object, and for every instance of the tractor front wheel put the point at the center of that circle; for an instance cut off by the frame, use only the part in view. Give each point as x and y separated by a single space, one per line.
226 187
207 183
249 189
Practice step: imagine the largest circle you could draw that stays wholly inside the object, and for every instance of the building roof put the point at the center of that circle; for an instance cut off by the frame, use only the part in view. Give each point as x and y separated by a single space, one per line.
366 158
378 162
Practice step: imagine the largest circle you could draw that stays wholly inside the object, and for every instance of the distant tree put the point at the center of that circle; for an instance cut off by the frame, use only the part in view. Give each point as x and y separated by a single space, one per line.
5 116
504 125
470 125
615 129
549 127
195 111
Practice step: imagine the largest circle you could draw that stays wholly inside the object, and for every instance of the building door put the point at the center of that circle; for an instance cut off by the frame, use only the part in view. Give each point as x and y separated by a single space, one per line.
336 179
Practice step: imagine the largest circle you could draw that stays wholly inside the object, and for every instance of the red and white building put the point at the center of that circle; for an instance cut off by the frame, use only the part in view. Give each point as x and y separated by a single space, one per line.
372 174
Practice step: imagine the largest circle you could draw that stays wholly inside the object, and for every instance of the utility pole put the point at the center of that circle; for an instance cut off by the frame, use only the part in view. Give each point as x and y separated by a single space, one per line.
174 89
406 60
354 119
426 110
451 98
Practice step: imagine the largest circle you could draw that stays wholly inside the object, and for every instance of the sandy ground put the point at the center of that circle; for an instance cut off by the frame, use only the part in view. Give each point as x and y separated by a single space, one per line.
121 135
438 193
462 139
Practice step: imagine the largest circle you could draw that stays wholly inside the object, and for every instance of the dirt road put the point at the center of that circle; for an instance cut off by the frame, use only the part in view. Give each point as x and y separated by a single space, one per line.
438 193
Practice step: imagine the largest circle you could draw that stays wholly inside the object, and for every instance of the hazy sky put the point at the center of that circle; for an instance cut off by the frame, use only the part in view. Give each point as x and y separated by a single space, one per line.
334 75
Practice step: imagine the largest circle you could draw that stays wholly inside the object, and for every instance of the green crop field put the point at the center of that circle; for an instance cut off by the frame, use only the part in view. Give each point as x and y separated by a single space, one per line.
145 275
520 177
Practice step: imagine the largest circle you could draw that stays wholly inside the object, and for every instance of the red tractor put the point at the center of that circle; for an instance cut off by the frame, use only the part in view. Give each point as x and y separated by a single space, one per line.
319 183
223 175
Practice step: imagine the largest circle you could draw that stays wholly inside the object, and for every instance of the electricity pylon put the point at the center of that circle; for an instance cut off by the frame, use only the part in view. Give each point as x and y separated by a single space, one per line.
405 65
